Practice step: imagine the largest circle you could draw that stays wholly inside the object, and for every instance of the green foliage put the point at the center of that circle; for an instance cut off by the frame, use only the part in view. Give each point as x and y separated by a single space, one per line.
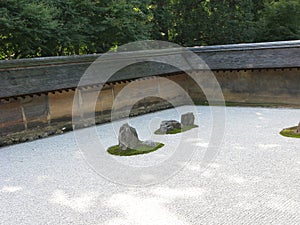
213 22
31 28
190 22
24 26
125 21
115 150
71 34
234 22
161 19
280 20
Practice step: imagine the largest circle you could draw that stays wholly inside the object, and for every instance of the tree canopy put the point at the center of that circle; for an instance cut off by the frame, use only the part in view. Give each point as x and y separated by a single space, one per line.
32 28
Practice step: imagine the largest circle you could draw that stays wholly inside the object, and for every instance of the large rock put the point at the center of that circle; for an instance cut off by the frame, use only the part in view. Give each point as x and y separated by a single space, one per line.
187 119
298 129
169 125
128 137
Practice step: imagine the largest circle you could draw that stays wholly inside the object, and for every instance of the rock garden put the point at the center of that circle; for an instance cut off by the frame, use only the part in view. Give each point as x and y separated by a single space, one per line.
130 144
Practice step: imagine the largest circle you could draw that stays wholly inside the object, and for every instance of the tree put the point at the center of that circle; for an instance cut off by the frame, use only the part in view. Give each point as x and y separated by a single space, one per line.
119 22
280 20
202 22
189 22
230 21
161 19
24 25
30 28
71 34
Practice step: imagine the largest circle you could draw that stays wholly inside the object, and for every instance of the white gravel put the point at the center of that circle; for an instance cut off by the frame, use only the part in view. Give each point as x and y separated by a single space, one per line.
255 178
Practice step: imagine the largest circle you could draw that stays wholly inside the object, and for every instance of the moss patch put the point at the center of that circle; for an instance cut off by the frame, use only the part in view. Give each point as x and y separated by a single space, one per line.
176 131
290 132
142 149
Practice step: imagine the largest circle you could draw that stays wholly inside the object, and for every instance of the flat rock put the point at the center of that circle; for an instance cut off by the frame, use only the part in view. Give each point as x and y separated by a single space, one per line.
169 125
149 143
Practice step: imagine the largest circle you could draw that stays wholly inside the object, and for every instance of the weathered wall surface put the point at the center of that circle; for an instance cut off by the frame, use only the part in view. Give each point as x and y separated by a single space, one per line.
36 96
39 75
261 87
52 112
265 87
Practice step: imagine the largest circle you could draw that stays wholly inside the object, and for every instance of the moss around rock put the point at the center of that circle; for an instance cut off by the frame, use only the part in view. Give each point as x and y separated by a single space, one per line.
141 149
176 131
290 132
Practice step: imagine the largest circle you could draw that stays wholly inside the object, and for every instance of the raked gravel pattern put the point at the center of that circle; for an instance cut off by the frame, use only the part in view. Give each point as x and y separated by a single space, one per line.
255 179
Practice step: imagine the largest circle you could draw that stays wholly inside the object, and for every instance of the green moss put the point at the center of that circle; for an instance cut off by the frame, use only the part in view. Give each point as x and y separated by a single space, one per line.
176 131
290 132
142 149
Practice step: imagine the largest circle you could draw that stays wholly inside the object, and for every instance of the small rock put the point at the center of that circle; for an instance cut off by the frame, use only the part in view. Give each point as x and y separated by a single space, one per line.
169 125
149 143
9 142
187 119
59 132
31 138
51 132
23 139
45 134
298 129
128 137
